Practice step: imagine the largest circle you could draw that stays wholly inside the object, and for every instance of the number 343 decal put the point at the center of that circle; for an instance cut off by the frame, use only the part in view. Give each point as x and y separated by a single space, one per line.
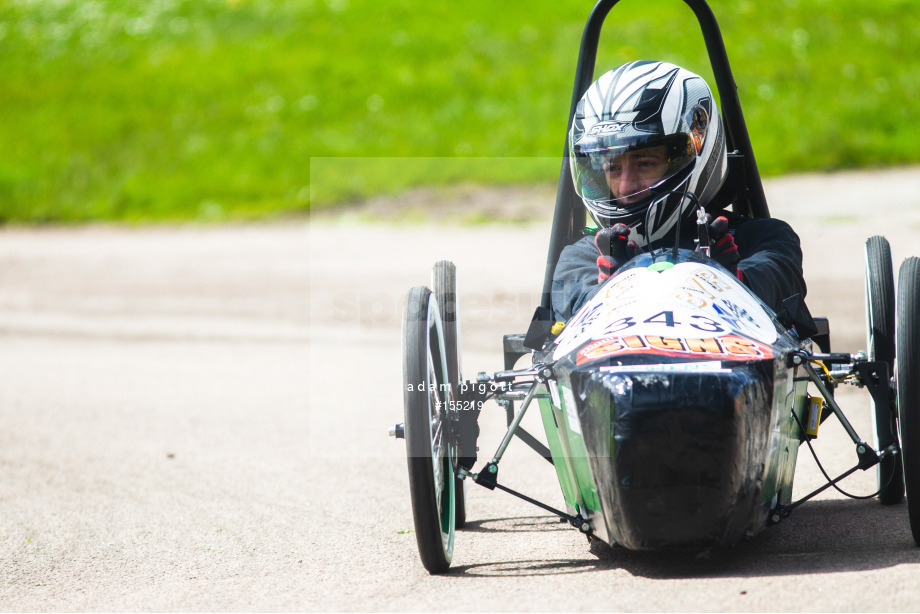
666 318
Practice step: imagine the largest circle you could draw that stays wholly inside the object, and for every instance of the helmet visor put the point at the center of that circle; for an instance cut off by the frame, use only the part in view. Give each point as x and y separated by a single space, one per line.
624 173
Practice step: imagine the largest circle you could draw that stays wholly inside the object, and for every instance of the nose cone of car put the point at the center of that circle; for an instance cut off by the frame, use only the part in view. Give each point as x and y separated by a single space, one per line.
677 457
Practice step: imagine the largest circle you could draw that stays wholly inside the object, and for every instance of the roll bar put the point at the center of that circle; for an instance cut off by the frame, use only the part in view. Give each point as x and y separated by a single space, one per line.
569 216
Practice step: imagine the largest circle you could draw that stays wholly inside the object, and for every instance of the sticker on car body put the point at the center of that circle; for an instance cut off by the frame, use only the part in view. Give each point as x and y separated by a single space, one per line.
689 302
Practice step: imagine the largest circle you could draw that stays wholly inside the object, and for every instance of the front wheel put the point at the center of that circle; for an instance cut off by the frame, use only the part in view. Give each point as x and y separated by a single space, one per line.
427 430
444 288
880 345
907 379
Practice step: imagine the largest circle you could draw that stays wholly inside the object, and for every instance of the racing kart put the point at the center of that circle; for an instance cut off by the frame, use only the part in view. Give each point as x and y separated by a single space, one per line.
674 402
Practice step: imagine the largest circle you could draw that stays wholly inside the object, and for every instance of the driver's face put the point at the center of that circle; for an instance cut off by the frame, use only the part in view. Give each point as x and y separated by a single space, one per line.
632 173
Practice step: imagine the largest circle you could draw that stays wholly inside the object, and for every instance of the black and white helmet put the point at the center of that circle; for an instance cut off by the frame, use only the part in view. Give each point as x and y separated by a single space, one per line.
644 135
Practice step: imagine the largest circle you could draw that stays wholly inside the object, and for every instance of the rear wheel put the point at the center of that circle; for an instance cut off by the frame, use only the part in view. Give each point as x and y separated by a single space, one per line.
444 288
427 430
881 346
907 378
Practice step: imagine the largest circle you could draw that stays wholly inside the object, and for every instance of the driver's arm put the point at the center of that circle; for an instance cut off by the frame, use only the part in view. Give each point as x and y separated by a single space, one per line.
575 279
771 260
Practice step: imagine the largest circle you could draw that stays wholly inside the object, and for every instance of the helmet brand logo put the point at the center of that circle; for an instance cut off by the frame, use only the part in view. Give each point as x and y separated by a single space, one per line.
608 128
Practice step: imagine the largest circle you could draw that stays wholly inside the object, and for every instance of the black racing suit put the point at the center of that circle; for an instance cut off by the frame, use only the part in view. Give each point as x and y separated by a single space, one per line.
770 265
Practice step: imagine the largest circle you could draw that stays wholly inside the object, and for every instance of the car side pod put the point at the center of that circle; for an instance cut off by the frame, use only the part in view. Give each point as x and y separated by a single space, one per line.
678 457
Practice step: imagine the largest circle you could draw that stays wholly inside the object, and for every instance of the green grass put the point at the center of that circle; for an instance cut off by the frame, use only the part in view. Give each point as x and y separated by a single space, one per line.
225 109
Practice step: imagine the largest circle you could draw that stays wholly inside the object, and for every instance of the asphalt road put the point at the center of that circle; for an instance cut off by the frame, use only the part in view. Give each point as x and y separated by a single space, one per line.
195 419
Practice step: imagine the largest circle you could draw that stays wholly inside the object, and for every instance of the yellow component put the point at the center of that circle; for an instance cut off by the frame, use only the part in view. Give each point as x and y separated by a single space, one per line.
815 405
826 371
557 328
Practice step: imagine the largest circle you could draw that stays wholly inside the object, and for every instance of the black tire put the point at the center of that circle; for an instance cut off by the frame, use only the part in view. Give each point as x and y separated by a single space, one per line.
880 346
444 288
427 431
907 380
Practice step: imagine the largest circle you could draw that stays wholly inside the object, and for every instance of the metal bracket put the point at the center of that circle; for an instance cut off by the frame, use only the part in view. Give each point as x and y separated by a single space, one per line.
466 422
488 476
875 376
868 457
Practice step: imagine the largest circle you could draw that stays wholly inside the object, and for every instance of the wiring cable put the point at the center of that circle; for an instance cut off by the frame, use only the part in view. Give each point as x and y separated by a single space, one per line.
829 479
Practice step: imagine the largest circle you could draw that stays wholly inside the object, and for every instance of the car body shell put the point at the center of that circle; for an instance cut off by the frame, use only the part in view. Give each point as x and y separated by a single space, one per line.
670 414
